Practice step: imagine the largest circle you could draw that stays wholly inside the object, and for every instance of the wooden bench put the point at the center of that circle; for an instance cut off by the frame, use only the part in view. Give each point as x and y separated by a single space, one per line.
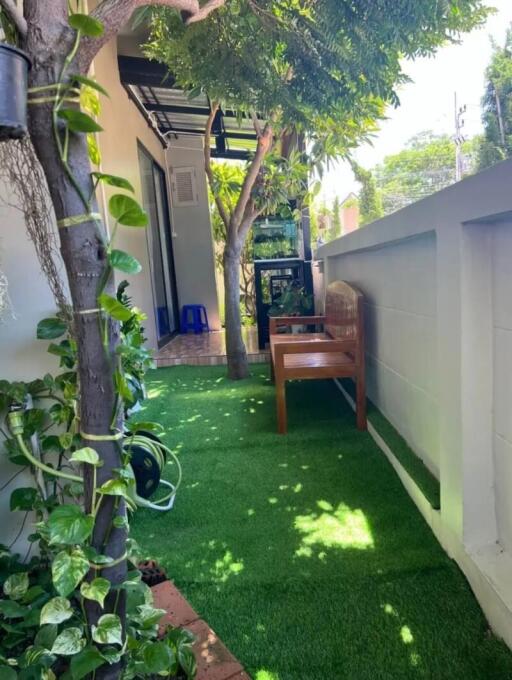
337 352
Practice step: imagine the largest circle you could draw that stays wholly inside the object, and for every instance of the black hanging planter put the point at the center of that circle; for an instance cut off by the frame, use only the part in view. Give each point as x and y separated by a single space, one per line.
14 66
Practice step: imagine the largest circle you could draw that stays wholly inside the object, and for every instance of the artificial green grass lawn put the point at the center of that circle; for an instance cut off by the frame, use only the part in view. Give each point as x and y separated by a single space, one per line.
304 552
416 468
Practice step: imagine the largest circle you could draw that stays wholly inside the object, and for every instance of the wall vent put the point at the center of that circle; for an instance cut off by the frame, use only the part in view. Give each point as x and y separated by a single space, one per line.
184 187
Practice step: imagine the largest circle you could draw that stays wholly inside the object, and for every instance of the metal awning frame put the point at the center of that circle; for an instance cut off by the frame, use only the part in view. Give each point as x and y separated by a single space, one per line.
155 93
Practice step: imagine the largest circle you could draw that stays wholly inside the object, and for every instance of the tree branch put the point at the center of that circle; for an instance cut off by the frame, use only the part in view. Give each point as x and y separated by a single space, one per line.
251 213
114 14
256 124
264 145
208 166
15 15
204 11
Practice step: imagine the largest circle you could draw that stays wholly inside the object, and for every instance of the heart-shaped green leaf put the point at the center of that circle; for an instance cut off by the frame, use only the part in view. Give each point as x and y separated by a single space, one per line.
16 585
49 329
89 82
87 661
23 498
57 610
68 569
35 656
124 262
46 635
111 654
115 487
108 631
86 455
122 387
86 24
115 308
78 121
12 610
148 616
68 524
127 211
113 181
69 642
65 440
139 425
157 657
93 150
96 590
33 593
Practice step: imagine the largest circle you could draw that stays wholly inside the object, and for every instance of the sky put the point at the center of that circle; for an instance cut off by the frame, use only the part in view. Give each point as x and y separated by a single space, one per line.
427 103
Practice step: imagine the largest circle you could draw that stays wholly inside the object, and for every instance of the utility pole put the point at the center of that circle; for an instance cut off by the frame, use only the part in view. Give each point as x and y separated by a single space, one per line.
459 139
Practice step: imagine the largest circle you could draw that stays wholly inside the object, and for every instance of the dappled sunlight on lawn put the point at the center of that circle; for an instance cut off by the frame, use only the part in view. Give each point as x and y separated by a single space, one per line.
338 527
225 567
263 674
156 391
405 635
304 552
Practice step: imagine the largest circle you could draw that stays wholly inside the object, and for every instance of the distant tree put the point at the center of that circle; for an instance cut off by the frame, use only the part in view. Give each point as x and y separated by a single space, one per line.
496 144
313 225
228 179
370 200
336 226
424 166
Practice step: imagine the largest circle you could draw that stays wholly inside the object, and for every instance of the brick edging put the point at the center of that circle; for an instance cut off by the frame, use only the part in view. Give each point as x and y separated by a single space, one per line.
214 660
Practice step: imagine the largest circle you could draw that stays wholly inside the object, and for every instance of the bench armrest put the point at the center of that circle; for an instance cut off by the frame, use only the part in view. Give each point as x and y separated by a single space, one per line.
275 321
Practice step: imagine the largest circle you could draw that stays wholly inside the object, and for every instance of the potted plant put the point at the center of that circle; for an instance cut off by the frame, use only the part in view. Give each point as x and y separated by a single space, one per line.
294 301
14 66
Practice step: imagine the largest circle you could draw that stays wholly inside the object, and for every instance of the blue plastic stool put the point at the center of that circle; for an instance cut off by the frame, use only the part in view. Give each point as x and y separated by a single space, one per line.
194 318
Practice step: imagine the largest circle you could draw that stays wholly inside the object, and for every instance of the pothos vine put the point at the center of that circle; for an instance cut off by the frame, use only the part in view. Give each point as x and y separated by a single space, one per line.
42 613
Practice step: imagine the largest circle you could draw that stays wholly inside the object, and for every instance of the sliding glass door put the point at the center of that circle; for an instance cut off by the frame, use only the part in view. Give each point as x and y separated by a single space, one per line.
154 196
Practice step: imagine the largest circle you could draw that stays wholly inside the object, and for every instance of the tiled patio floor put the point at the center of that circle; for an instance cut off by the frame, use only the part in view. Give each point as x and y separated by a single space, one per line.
206 349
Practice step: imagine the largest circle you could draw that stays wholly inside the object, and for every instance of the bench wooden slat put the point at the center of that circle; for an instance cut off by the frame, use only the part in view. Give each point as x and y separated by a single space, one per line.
275 321
336 353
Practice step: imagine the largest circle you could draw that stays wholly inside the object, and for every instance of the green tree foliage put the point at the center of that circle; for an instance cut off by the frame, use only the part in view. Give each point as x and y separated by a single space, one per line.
497 107
424 166
229 178
370 200
336 226
323 69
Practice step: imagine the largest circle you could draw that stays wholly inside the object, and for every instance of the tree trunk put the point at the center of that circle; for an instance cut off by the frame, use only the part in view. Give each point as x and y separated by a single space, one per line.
84 256
236 352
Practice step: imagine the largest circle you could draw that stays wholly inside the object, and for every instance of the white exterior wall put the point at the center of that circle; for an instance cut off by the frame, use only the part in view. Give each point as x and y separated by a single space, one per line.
124 128
437 277
400 322
502 377
192 233
22 356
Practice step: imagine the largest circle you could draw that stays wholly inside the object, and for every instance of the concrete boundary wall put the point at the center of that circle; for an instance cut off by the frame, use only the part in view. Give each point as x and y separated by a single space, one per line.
437 277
